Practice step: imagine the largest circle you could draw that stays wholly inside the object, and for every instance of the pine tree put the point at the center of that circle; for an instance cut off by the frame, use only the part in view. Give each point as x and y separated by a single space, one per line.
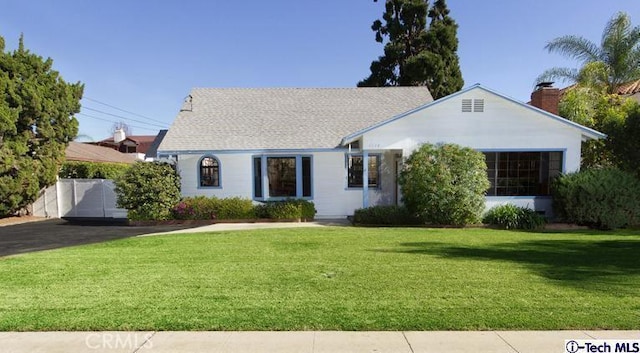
415 55
442 66
36 125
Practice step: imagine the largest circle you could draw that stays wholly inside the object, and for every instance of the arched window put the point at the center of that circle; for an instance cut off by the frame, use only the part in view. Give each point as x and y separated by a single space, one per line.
209 172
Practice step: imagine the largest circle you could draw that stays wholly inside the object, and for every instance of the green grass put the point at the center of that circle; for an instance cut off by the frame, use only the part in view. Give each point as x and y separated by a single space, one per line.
330 279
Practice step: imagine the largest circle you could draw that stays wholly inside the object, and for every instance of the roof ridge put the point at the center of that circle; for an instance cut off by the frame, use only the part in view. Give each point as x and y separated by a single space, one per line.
307 88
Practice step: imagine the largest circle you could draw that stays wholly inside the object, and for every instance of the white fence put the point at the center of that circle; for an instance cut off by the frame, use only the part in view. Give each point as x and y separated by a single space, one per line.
79 198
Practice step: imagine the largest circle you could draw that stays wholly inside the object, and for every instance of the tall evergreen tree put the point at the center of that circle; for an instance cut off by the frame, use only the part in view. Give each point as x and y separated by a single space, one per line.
415 55
36 125
442 65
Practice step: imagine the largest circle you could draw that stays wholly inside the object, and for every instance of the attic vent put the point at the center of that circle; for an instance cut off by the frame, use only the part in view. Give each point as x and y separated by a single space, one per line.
466 105
478 105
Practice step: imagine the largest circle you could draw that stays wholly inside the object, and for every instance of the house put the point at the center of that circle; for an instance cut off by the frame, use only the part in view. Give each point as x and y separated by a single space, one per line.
128 144
630 90
85 152
342 148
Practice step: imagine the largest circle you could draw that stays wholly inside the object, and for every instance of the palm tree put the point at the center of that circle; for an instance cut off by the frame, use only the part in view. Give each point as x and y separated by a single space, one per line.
614 62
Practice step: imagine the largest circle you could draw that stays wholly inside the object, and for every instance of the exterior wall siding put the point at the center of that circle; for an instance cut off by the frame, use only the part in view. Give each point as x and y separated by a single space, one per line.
503 126
331 196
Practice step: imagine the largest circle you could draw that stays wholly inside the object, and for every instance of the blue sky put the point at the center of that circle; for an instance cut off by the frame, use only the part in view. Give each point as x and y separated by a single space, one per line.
144 56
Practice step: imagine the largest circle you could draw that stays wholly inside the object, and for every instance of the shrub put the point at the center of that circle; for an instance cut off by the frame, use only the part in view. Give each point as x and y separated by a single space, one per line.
599 198
92 170
384 215
509 216
148 190
445 184
288 209
201 208
234 208
308 209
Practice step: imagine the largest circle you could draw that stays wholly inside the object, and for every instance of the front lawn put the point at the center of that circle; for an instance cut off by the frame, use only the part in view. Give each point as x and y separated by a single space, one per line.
336 278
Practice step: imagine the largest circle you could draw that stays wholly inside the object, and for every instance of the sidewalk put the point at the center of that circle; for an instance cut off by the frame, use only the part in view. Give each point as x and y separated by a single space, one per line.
223 227
300 342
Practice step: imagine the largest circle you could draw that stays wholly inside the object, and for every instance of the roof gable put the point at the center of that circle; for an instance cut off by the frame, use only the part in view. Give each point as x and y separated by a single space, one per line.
283 118
585 131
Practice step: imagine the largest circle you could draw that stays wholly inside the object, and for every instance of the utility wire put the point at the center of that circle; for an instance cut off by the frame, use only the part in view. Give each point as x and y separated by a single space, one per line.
113 121
122 110
164 126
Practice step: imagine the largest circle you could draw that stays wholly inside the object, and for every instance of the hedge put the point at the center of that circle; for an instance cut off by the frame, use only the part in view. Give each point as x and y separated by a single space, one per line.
598 198
92 170
384 215
204 208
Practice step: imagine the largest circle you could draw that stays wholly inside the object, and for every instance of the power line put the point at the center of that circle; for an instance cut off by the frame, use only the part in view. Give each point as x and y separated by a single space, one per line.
122 110
164 126
113 121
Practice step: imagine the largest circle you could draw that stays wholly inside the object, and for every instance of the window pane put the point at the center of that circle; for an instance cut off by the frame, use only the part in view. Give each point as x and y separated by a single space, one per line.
373 171
282 176
209 172
257 177
354 173
490 159
306 176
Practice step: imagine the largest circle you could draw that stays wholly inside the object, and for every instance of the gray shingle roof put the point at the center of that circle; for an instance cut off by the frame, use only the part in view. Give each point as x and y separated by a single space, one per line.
283 118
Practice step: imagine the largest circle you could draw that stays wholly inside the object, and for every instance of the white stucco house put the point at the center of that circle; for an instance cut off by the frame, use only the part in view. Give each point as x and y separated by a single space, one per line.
342 148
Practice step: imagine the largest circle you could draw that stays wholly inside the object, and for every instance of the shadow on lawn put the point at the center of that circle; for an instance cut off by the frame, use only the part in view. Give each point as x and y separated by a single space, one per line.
53 234
583 263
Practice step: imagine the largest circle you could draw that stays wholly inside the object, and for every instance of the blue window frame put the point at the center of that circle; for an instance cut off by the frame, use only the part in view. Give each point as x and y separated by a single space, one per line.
209 172
280 177
355 167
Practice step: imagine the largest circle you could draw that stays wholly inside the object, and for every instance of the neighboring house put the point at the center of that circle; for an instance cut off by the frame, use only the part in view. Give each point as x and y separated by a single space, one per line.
343 148
630 89
128 144
84 152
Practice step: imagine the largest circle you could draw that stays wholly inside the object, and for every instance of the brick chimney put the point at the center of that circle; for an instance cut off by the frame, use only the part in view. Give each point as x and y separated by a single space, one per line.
546 97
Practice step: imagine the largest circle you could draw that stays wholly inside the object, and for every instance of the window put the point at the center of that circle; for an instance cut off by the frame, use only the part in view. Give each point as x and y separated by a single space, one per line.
209 172
355 169
282 176
257 177
522 173
286 176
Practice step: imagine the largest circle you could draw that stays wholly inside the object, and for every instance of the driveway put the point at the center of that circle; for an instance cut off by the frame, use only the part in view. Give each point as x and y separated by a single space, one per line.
56 233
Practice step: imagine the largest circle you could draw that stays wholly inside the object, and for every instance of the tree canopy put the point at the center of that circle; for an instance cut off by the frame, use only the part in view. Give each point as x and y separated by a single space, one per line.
416 54
615 61
594 101
36 125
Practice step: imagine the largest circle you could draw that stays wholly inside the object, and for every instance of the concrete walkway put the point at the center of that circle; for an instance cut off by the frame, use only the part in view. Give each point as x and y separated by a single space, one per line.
222 227
301 342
